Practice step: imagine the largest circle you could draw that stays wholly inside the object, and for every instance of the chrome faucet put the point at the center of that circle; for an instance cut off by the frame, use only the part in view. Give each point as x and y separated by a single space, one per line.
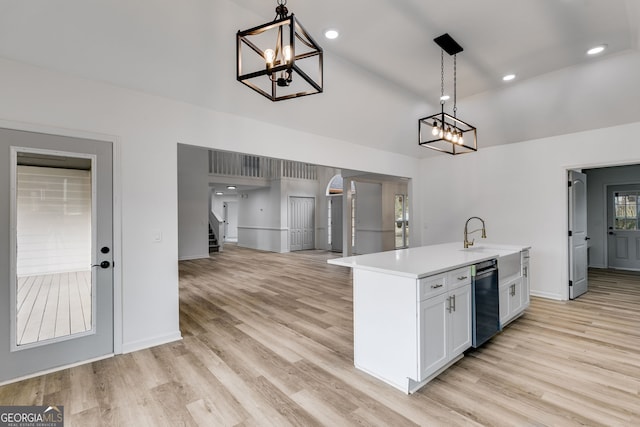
468 243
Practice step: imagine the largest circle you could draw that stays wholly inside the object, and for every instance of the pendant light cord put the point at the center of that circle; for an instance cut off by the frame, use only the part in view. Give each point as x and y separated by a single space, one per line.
455 84
441 76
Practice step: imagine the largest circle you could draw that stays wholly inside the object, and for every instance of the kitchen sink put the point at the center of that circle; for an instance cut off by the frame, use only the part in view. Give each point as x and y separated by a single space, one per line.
508 260
508 265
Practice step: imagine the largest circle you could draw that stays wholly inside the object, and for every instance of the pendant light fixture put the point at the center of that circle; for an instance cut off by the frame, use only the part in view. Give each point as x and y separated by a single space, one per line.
279 59
442 131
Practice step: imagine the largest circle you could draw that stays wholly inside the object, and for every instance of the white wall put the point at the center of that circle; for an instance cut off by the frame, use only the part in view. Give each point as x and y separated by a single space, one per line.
597 182
368 223
193 198
259 220
263 219
217 203
147 129
521 192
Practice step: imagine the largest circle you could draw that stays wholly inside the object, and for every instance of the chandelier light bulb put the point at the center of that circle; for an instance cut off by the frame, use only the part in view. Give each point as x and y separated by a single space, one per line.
288 54
269 57
461 139
435 130
455 137
448 135
440 133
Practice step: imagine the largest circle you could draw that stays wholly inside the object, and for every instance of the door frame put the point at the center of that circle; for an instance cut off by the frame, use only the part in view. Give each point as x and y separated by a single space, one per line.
605 238
117 219
562 178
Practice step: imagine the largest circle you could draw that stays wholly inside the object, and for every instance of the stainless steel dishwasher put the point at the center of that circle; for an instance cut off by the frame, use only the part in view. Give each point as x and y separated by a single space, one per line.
486 305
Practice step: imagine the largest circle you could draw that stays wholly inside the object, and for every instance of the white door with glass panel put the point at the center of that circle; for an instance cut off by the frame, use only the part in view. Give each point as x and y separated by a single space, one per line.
56 273
623 231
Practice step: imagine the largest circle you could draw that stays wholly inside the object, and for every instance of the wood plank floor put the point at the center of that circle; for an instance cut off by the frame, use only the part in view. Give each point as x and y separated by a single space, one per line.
268 341
53 306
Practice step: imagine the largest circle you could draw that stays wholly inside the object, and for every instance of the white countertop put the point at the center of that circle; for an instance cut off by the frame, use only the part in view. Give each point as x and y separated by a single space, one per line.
426 260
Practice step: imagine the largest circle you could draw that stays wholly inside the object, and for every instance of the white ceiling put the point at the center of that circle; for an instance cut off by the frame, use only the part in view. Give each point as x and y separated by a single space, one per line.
381 75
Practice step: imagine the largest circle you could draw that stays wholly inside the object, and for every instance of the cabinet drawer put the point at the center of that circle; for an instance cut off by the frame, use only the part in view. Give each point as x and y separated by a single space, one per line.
432 285
459 277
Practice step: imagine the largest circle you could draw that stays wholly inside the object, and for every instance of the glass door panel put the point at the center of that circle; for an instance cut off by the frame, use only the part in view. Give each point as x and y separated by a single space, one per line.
53 202
401 225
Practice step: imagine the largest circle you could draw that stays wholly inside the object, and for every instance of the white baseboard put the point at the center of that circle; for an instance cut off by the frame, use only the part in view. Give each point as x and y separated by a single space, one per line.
151 342
190 257
547 295
56 369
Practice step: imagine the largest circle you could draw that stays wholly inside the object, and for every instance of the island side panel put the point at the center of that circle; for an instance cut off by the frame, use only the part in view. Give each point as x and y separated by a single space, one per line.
385 326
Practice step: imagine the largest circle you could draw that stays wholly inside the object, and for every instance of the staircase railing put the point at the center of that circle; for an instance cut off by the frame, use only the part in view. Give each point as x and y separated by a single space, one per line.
217 226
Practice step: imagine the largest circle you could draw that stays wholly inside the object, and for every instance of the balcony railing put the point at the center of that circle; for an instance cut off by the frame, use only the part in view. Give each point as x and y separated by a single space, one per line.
247 166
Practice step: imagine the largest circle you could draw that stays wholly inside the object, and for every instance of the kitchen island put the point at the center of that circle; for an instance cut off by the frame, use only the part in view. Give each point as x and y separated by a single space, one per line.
412 308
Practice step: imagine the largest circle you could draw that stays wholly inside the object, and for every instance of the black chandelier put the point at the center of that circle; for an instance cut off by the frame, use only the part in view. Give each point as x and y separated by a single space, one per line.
278 51
442 131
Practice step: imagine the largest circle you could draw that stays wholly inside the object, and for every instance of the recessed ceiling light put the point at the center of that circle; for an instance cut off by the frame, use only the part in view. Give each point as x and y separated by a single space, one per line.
509 77
231 187
445 98
331 34
219 193
596 50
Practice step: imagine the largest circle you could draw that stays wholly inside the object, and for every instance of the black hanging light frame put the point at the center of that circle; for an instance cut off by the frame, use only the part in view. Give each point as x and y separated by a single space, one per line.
280 59
441 131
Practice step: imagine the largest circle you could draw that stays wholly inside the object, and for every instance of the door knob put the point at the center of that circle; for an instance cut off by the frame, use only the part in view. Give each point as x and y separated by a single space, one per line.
105 250
103 264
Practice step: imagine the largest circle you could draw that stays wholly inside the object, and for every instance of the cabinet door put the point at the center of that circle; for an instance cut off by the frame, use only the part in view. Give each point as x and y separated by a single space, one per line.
526 288
515 301
432 336
504 297
460 321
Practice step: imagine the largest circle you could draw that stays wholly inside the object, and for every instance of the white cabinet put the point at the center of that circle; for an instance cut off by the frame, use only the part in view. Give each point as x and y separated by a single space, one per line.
514 292
510 300
406 331
412 308
433 318
445 321
460 321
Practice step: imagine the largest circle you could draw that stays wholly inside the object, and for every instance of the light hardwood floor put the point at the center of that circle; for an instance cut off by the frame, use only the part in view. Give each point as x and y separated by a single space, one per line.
268 341
53 306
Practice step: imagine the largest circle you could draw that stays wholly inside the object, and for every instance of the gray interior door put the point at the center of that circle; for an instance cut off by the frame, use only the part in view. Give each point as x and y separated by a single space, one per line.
578 278
56 256
336 223
623 231
301 223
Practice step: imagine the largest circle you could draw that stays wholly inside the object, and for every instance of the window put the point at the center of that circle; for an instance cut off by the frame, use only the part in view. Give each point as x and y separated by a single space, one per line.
625 204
